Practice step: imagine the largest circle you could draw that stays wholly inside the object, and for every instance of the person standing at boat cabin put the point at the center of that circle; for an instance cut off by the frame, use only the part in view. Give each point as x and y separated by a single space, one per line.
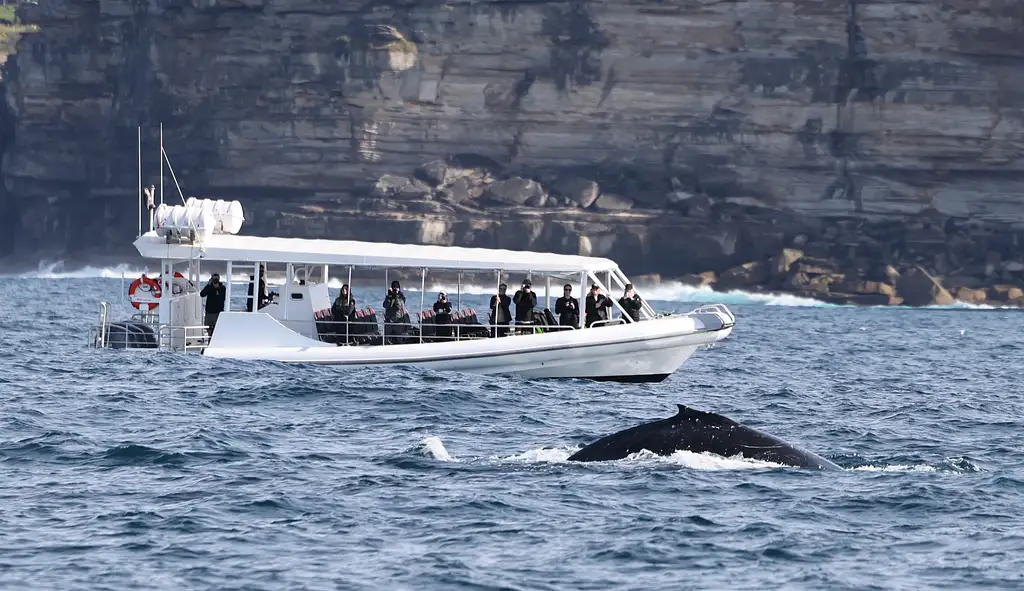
214 292
631 303
264 299
394 310
525 301
443 317
500 314
568 308
343 310
597 306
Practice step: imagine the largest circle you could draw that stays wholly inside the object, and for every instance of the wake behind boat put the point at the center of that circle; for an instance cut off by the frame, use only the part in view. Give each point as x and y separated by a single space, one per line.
298 325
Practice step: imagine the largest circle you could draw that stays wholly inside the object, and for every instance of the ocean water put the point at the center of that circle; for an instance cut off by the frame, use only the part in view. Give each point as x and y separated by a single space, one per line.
135 470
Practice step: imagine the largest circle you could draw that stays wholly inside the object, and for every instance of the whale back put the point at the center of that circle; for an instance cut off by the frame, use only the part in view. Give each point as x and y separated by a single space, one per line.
699 431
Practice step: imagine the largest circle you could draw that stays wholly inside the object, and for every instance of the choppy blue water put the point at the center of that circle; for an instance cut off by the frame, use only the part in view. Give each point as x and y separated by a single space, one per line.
132 470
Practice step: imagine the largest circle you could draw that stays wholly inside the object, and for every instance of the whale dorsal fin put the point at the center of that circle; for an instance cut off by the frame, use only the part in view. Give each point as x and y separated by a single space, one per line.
685 412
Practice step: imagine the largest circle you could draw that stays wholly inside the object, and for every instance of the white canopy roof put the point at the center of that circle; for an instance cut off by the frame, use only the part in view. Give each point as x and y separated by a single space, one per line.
228 247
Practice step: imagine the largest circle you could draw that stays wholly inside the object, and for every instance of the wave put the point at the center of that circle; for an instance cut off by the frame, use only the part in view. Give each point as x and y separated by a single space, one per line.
56 270
671 291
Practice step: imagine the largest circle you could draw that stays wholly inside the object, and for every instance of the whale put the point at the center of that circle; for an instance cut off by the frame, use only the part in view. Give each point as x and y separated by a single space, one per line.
700 431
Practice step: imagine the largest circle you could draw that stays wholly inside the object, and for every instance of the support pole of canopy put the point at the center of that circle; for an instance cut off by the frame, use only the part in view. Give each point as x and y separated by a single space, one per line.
547 292
583 296
497 300
287 291
227 288
166 272
140 182
324 273
423 292
256 287
351 298
161 163
459 287
615 302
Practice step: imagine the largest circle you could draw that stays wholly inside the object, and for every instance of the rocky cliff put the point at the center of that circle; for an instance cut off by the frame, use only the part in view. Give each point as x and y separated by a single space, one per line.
878 139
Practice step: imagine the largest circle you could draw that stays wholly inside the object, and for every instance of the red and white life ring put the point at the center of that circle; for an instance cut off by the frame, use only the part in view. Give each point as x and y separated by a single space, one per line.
179 285
144 291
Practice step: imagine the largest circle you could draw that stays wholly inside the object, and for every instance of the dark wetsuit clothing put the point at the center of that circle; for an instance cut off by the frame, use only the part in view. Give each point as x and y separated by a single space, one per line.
597 308
343 310
632 306
501 315
214 295
443 319
568 310
394 303
525 302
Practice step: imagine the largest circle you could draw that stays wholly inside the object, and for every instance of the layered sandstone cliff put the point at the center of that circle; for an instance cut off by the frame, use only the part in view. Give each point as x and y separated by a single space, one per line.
676 136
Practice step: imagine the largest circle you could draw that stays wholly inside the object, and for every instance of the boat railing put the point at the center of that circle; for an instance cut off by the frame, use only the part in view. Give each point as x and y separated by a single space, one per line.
191 338
97 335
728 319
356 332
608 322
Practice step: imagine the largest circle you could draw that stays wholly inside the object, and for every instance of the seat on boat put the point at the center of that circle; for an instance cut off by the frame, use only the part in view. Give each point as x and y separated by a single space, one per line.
364 329
466 326
401 331
428 323
326 329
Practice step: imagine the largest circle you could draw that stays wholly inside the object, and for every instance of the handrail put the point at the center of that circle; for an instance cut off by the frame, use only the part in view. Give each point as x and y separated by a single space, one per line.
608 322
104 308
716 308
165 335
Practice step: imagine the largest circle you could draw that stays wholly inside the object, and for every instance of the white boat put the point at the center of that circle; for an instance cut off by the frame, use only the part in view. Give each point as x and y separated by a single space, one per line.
296 326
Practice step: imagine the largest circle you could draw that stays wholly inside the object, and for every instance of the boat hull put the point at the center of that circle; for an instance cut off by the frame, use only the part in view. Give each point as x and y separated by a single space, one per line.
647 351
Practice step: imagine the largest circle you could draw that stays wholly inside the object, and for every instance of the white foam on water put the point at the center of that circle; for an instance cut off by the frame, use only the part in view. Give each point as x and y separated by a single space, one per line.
708 461
696 461
434 447
896 468
542 455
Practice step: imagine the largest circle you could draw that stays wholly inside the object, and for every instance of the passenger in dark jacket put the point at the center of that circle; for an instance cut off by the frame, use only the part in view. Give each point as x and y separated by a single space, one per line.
525 301
500 314
394 312
568 308
597 306
443 317
214 292
394 303
631 303
343 311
